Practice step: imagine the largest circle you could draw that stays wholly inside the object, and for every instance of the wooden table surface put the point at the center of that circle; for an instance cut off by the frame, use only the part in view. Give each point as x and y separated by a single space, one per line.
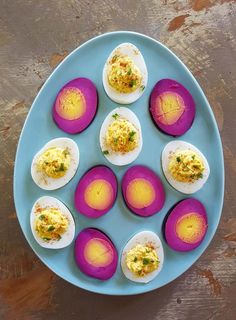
34 37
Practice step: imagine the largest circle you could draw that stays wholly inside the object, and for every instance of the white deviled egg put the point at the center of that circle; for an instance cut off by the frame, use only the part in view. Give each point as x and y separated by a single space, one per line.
121 136
55 164
52 223
125 74
142 257
184 166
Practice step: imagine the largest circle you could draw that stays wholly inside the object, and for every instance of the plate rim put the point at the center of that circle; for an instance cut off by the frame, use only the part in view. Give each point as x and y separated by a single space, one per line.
123 32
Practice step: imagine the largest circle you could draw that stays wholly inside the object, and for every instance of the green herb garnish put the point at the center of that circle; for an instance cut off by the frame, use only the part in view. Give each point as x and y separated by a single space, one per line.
131 136
129 72
46 238
193 157
116 140
115 116
178 159
142 87
62 167
200 175
132 83
42 216
146 261
105 152
114 58
135 259
51 228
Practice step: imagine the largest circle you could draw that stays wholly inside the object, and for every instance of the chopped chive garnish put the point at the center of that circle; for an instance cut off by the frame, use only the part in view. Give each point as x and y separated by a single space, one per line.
193 157
135 259
41 217
51 228
146 261
105 152
115 116
131 135
142 87
200 175
132 83
116 140
46 238
129 72
178 159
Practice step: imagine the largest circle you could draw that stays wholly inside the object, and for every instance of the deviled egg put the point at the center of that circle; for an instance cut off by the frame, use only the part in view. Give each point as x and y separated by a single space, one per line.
125 74
143 191
55 164
121 136
142 257
184 166
52 224
172 107
75 105
96 192
95 254
186 225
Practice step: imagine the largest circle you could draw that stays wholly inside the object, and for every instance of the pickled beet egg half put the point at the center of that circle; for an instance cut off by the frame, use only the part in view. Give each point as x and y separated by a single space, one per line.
96 192
186 225
172 107
95 254
143 191
75 105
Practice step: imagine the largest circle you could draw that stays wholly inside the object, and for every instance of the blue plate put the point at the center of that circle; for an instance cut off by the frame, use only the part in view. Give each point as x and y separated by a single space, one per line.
120 224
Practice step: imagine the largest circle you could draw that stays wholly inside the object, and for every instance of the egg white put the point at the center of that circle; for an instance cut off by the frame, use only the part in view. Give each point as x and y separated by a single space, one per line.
67 237
184 187
118 158
143 238
48 183
134 53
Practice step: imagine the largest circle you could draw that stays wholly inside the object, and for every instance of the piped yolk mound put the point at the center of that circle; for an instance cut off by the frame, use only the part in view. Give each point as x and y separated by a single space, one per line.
121 136
98 194
191 228
98 253
186 166
50 223
123 75
142 260
54 162
140 193
169 108
71 104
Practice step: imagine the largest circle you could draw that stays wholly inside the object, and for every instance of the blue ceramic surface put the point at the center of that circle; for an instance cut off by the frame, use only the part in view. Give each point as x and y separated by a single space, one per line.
119 224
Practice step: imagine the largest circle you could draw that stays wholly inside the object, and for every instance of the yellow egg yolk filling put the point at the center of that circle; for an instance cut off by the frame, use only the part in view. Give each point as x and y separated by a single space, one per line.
191 227
123 75
169 107
98 253
98 194
140 193
142 260
186 166
121 136
54 162
50 224
71 104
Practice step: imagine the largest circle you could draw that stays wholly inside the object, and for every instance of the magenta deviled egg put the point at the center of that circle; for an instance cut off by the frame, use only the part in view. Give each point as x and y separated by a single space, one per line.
95 254
75 105
96 192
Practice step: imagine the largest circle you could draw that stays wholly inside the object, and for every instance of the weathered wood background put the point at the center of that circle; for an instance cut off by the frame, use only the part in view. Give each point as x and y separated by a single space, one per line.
34 37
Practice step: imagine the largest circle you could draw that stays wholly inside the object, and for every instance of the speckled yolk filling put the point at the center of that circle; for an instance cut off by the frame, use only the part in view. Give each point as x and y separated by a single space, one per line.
140 193
98 253
191 228
169 108
71 104
98 194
